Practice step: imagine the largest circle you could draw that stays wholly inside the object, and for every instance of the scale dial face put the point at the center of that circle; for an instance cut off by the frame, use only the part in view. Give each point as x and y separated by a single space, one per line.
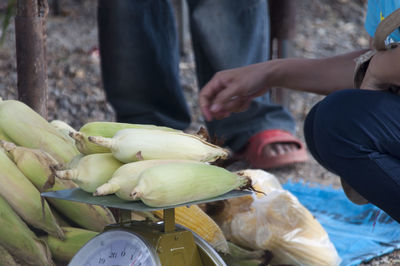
116 248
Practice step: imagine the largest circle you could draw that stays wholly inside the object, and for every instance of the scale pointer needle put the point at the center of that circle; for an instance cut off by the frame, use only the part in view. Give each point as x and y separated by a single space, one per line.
133 262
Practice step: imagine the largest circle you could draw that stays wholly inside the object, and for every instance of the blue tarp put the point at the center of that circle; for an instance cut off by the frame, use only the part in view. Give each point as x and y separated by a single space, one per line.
359 233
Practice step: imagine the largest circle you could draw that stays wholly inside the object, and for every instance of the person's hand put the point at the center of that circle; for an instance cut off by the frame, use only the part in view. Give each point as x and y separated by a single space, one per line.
383 70
232 91
371 80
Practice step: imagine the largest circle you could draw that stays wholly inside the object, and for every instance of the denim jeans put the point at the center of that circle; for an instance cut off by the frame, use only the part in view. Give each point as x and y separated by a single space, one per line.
356 135
140 61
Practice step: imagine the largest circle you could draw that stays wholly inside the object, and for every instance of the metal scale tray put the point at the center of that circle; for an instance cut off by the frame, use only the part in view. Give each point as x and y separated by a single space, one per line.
77 194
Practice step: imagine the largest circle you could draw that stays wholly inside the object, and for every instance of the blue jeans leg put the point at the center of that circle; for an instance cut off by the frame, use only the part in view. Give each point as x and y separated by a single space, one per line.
140 60
356 134
229 34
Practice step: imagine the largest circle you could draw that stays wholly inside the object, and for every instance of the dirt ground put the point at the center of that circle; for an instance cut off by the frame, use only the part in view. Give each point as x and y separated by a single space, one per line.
323 28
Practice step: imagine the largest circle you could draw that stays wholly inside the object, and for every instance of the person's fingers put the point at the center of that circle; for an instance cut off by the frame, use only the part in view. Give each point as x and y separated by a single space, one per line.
236 104
223 115
231 93
245 105
207 96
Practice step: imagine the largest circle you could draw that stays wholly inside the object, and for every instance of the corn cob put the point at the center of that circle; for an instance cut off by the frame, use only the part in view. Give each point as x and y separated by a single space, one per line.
27 128
37 167
280 223
62 126
3 136
298 238
74 162
92 171
126 178
64 250
177 183
262 182
25 198
61 219
104 129
19 240
199 222
6 259
64 129
129 145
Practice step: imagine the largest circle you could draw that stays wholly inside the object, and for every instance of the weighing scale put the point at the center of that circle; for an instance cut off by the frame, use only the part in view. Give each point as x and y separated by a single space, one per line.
143 243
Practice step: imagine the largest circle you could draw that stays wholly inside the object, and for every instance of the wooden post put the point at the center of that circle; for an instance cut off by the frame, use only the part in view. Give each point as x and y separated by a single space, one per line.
180 10
31 54
283 26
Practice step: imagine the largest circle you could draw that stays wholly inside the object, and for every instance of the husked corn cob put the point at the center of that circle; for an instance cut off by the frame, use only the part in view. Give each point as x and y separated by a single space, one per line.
199 222
27 128
280 223
76 238
304 241
37 166
130 145
104 129
24 198
177 183
126 178
19 240
92 171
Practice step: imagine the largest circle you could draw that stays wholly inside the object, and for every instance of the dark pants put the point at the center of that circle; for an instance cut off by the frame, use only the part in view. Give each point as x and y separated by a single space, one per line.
356 135
140 59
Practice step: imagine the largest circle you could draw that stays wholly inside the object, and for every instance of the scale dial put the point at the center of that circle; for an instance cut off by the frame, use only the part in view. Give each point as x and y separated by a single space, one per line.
118 248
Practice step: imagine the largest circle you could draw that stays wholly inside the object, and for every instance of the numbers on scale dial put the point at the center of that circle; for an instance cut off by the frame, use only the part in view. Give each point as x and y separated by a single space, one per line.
120 250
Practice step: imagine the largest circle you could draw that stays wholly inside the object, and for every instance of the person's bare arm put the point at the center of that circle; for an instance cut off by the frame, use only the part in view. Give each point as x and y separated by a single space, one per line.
232 90
383 70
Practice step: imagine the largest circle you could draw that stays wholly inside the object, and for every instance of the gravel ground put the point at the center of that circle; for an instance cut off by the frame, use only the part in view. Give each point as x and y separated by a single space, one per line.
324 28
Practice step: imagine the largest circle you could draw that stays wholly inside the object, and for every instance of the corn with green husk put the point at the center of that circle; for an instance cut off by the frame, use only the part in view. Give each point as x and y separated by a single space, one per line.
24 198
62 126
64 129
125 178
27 128
130 145
183 182
3 136
74 162
6 259
38 166
104 129
76 238
92 171
60 218
19 240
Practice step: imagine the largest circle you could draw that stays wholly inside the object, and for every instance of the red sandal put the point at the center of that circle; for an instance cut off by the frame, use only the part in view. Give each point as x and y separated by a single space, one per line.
253 152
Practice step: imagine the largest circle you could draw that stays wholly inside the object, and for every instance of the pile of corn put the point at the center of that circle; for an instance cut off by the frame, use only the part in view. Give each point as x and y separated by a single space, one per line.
158 165
37 231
